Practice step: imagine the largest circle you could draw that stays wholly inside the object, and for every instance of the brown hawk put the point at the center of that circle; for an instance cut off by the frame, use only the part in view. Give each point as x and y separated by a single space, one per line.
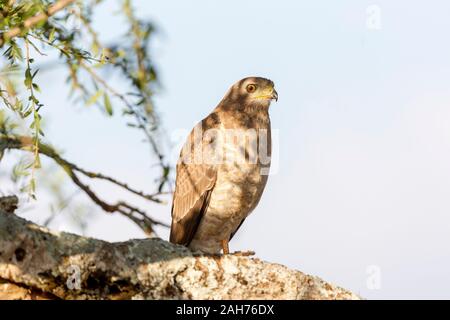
223 168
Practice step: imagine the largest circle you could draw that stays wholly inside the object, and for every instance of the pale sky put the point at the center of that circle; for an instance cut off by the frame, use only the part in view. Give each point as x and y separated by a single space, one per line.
362 190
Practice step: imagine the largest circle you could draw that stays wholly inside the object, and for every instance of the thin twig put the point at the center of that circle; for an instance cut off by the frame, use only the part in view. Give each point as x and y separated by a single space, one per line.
94 175
135 214
35 144
129 106
30 22
61 206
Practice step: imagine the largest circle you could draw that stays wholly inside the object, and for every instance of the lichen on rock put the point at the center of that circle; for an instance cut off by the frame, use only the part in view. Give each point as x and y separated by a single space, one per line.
36 262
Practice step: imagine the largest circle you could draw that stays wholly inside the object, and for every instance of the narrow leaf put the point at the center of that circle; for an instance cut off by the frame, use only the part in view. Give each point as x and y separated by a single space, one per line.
108 106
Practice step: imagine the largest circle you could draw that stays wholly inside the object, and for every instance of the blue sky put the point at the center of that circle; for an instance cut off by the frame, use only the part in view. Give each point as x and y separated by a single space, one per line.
364 131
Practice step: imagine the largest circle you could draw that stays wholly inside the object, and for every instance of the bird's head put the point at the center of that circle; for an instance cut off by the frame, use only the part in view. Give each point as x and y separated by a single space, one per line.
253 91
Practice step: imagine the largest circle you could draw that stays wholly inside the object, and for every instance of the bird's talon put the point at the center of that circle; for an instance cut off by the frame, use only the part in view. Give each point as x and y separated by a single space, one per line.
244 253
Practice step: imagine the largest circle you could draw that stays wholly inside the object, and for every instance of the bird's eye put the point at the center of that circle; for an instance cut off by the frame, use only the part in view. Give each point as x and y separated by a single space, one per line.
251 88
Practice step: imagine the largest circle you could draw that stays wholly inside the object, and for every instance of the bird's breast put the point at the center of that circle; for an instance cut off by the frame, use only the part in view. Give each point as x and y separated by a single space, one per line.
242 160
241 175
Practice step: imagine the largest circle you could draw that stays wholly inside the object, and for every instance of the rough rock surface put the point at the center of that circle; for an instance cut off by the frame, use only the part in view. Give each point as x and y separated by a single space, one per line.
37 263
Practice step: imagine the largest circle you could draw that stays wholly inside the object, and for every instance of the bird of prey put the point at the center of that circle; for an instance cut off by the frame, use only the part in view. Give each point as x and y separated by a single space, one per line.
223 168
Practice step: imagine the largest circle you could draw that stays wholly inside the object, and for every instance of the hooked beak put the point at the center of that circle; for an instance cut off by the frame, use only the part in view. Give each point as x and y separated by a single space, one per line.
274 95
268 94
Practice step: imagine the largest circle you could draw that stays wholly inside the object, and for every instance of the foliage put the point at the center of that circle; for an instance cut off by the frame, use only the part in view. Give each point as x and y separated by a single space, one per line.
31 28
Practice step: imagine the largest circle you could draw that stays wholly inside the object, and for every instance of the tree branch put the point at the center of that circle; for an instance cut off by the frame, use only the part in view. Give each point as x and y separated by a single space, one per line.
67 266
30 22
8 204
142 219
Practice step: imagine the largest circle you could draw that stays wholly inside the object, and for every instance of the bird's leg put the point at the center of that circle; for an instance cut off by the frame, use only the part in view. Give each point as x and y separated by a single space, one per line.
225 248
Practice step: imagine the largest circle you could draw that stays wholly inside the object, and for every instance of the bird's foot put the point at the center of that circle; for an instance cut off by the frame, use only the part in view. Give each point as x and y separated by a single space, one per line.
244 253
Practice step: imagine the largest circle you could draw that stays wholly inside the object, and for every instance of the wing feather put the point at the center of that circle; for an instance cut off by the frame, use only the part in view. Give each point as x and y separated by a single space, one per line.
236 230
194 184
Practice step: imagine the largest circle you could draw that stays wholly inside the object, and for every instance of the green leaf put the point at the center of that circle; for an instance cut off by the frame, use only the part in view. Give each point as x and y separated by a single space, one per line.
36 87
27 113
51 35
37 162
108 106
28 78
93 99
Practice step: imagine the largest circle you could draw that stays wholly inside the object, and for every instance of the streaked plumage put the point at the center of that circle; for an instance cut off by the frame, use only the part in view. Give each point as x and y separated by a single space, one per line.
222 170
